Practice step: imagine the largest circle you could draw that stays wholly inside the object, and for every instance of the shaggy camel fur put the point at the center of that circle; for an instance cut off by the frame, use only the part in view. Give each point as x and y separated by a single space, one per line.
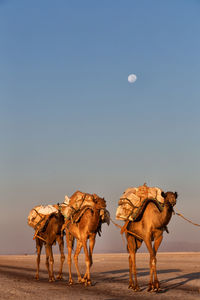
150 228
50 234
87 228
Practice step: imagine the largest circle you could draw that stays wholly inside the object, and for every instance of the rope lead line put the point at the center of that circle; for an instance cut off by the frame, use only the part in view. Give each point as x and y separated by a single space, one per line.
180 215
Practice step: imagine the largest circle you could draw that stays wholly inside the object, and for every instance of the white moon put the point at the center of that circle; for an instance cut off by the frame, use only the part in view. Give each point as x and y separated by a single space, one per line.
132 78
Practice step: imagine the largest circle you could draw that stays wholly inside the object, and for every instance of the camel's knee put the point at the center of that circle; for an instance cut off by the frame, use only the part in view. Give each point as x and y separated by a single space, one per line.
91 263
87 262
38 254
51 260
154 262
152 259
62 258
47 261
38 259
75 258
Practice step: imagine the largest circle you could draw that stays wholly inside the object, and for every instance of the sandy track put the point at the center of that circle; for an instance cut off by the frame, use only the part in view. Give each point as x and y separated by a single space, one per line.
179 274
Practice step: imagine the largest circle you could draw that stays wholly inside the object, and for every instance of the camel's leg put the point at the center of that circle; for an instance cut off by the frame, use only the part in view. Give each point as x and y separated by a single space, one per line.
69 240
51 264
87 263
131 282
138 245
49 254
76 254
157 243
62 256
91 247
47 259
152 263
39 245
132 248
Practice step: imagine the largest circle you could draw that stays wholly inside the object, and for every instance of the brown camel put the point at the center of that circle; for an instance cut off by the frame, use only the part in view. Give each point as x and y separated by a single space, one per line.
48 236
86 228
150 228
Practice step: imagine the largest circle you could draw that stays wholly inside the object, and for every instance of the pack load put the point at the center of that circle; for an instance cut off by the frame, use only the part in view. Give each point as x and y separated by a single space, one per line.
74 207
133 198
39 215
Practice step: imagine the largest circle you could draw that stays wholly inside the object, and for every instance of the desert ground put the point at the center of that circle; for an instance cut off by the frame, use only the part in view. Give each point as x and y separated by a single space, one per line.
179 275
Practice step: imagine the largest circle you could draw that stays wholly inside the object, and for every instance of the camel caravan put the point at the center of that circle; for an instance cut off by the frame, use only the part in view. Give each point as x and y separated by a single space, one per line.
146 211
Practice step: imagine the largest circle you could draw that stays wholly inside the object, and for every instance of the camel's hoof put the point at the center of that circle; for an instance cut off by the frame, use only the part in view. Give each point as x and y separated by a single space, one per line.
134 288
156 286
157 290
131 286
52 279
88 282
150 288
36 277
70 282
153 290
59 277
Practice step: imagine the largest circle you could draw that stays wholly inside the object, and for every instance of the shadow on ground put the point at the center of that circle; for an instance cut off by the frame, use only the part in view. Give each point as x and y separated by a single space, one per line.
113 276
183 279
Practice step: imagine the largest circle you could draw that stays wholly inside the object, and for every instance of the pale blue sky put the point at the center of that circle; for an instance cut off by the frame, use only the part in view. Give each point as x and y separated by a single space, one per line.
70 120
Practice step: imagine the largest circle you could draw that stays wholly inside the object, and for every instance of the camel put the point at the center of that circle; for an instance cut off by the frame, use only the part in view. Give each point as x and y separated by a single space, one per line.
48 236
86 228
149 228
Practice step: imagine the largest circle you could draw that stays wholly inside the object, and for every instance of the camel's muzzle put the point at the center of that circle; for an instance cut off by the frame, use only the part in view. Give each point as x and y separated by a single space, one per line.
173 203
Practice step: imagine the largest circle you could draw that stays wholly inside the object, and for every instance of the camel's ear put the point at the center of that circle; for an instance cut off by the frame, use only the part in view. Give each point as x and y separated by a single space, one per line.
176 195
163 194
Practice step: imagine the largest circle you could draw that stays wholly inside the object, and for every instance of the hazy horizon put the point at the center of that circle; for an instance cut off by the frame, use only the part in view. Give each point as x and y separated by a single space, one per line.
70 120
171 247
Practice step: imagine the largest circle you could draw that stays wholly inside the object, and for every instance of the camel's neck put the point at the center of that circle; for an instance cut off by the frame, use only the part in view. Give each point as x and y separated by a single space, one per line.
96 213
167 213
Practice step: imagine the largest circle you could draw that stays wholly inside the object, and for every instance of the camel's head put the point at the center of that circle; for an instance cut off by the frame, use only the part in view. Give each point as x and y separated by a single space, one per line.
99 202
170 197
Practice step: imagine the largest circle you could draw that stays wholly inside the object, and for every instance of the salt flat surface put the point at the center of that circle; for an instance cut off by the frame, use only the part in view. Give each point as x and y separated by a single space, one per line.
179 275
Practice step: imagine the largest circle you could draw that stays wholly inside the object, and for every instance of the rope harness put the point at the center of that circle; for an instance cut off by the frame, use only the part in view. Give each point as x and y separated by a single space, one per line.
124 229
41 238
